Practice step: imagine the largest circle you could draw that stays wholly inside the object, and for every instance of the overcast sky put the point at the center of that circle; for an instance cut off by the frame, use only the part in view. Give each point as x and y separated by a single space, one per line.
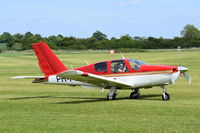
81 18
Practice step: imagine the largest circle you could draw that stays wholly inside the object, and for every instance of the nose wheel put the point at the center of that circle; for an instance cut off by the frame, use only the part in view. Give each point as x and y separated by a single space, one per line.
135 94
165 95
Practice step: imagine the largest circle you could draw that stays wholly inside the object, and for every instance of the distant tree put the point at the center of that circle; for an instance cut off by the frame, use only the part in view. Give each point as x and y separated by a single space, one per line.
67 41
52 45
59 37
113 38
38 37
17 47
190 32
138 38
8 37
89 43
27 40
3 46
17 37
2 39
28 35
98 40
126 37
99 36
52 39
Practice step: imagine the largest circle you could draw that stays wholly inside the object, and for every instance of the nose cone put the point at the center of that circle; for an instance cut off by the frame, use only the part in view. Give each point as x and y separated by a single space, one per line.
182 69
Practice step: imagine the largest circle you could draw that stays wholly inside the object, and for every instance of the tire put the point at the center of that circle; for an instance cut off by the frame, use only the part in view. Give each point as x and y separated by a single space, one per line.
166 97
113 97
134 95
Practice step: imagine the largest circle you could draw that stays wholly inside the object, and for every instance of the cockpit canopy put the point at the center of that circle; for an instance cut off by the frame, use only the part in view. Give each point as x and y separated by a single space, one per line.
118 66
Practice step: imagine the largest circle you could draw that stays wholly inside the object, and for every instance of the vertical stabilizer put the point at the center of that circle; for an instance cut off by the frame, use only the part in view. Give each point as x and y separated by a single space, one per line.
49 63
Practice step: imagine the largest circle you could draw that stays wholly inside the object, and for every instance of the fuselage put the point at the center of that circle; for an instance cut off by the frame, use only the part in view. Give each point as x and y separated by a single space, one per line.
137 81
136 73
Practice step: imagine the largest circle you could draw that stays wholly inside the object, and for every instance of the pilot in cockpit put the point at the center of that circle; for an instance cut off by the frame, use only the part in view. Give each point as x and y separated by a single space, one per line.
121 67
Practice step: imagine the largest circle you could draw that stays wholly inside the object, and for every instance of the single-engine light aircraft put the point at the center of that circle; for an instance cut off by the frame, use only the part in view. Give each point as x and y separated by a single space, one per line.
113 74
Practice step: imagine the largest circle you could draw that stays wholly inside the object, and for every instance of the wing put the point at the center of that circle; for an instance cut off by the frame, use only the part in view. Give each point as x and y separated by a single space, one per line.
93 79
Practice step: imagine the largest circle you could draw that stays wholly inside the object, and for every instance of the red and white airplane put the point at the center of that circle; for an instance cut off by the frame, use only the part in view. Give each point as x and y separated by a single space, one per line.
113 74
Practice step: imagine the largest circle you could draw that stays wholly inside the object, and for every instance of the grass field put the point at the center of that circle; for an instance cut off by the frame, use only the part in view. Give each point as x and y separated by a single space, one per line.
39 108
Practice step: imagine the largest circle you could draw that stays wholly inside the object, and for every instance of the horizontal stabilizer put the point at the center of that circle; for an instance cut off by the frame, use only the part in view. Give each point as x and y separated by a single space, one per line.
27 77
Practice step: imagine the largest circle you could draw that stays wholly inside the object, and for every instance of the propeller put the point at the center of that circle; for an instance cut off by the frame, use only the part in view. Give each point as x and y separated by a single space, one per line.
183 69
185 75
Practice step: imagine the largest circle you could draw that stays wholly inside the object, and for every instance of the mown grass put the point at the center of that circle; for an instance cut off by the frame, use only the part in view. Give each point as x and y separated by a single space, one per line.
39 108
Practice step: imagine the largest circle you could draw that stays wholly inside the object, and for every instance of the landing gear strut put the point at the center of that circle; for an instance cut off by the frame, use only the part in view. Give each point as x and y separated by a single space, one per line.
165 95
112 94
135 94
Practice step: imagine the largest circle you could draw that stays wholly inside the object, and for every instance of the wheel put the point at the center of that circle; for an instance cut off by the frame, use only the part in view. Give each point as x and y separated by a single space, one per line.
134 95
113 97
165 96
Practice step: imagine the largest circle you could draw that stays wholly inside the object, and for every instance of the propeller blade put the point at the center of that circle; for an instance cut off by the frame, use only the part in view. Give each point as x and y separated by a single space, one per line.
187 77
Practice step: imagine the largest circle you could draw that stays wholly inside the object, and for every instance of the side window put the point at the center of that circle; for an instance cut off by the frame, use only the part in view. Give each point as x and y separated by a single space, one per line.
135 66
118 66
101 67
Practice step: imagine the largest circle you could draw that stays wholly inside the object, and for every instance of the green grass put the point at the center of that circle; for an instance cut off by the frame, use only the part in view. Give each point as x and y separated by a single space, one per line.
39 108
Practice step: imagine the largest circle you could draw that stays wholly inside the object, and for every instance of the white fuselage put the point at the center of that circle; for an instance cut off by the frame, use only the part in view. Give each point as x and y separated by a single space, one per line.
138 81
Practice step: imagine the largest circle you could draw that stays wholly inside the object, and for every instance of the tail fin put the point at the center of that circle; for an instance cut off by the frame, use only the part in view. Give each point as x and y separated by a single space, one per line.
49 63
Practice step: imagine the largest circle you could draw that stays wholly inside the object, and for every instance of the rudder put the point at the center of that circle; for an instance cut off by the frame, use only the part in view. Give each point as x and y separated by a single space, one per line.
48 62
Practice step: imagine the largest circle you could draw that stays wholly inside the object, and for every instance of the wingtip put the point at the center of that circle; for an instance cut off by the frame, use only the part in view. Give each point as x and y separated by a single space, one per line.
16 77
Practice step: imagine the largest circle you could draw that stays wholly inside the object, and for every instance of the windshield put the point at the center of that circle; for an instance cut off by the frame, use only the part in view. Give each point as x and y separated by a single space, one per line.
138 62
135 64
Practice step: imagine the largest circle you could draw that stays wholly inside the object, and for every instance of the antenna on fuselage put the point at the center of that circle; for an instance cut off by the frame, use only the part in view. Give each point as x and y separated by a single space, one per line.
122 55
72 67
85 61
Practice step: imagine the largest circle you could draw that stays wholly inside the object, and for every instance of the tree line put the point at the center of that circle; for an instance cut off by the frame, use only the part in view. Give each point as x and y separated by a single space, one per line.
190 37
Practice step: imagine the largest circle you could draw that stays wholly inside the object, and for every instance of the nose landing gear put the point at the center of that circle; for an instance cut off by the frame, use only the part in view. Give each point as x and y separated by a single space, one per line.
165 95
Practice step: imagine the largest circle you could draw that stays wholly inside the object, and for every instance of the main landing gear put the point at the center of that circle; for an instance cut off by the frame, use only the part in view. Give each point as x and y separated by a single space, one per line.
165 95
135 94
112 94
